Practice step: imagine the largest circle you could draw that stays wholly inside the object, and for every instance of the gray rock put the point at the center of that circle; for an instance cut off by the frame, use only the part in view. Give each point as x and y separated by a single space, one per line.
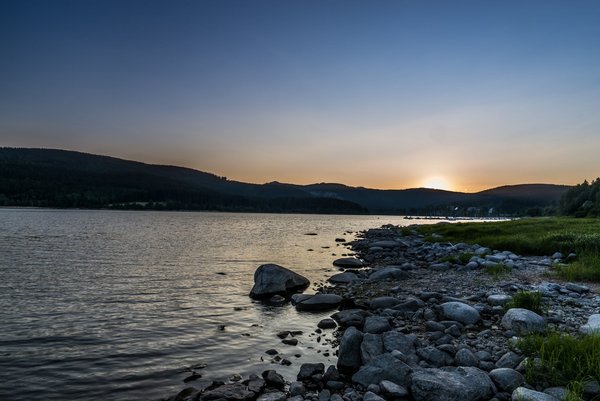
465 357
482 251
256 384
372 346
460 312
349 358
392 390
498 299
296 398
452 384
560 393
324 395
273 379
389 273
327 324
230 392
525 394
343 278
523 321
385 244
331 374
272 279
591 389
383 367
348 263
277 300
351 317
558 255
506 379
509 360
336 397
320 302
383 302
394 340
580 289
308 370
592 326
472 265
297 388
272 396
370 396
188 393
410 305
376 324
435 357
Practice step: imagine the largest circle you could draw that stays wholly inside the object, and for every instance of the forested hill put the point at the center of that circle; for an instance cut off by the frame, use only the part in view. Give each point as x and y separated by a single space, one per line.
59 178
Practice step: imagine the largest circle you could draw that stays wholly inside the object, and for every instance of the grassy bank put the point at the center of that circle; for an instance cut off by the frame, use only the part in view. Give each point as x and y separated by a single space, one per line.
536 236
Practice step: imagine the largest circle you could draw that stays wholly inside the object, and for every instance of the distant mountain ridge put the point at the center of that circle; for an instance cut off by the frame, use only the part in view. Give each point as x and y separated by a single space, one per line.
61 178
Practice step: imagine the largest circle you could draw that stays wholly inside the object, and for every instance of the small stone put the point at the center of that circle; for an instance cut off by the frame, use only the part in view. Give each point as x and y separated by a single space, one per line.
525 394
498 299
507 379
271 351
371 396
272 396
580 289
327 324
376 324
290 341
392 390
509 360
308 370
273 379
465 357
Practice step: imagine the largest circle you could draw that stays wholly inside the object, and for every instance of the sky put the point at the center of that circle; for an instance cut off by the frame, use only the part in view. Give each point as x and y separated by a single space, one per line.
459 95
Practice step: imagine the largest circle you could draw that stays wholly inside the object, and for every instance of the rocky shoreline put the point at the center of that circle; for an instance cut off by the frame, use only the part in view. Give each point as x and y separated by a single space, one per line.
419 321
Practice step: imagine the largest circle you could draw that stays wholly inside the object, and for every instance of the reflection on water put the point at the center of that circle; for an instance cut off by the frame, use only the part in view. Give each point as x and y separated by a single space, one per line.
116 305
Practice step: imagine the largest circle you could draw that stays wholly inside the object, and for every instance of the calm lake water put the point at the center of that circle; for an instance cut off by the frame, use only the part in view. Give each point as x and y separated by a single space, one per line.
117 305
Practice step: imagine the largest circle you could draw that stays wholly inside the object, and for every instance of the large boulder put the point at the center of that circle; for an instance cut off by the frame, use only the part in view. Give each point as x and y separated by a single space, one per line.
272 279
319 302
523 321
592 326
372 346
384 367
460 312
349 355
348 263
452 384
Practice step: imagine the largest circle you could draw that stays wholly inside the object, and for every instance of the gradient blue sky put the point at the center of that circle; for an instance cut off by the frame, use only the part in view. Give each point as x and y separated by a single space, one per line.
385 94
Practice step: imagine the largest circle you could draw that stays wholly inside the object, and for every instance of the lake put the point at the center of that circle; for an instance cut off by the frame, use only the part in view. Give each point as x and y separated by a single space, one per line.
119 305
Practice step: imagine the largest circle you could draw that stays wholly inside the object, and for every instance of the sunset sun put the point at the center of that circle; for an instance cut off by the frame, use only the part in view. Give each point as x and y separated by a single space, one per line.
437 182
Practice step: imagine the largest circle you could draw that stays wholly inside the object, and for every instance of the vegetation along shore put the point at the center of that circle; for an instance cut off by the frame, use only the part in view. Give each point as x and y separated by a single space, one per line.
446 312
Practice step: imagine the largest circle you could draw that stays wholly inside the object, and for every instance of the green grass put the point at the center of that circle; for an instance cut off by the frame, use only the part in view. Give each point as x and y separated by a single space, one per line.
498 271
462 258
531 300
534 236
561 359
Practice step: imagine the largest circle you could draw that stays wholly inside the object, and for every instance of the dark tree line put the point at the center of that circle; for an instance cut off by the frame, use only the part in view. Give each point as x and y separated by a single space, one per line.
583 200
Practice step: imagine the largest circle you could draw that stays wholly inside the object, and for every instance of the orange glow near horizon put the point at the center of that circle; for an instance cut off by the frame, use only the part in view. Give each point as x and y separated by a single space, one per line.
437 182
